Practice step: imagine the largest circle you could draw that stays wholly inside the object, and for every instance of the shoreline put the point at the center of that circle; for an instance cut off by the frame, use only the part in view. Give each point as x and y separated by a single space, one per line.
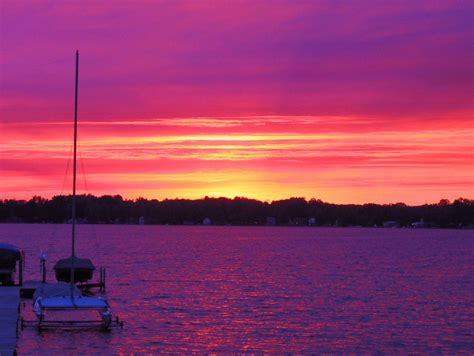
250 226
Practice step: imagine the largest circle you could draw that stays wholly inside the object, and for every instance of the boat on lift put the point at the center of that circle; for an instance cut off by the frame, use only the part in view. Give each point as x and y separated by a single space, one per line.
74 269
66 297
9 256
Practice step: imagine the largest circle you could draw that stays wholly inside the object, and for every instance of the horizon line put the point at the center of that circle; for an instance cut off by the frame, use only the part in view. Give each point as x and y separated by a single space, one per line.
206 197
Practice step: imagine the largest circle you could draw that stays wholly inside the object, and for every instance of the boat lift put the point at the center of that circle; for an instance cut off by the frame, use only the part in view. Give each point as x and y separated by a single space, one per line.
9 256
44 306
55 298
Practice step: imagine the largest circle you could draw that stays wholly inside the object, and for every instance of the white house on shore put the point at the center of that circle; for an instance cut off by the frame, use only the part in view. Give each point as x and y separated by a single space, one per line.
418 224
390 223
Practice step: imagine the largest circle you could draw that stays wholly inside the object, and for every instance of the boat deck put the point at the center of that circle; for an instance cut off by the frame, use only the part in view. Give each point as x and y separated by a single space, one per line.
9 314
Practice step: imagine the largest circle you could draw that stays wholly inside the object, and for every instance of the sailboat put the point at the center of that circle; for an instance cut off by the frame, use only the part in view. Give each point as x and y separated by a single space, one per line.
66 297
74 269
83 269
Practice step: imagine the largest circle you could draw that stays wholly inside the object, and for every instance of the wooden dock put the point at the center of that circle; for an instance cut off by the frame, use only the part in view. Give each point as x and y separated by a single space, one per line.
9 314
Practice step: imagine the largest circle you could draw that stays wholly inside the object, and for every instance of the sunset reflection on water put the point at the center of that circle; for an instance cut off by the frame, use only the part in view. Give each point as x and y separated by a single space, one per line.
267 290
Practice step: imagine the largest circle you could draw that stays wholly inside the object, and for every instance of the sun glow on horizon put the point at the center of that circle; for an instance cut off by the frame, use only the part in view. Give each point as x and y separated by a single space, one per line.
341 166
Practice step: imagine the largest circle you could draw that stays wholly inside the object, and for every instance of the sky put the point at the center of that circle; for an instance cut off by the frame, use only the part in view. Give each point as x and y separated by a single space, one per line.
343 101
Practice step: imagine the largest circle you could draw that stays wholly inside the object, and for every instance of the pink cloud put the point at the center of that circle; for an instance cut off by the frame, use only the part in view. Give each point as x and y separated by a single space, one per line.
237 58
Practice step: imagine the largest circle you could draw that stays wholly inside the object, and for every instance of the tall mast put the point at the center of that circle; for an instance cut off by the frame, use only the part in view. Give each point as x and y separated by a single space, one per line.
74 179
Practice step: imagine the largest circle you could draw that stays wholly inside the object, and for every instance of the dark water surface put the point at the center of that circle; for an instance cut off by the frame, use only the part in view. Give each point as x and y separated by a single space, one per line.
266 290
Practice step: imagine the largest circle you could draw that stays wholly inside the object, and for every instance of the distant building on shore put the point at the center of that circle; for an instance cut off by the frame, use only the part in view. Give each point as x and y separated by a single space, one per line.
390 223
207 221
418 224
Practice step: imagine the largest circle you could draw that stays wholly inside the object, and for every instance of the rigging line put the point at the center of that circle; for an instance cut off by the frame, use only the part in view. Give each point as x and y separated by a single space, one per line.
67 170
94 235
52 236
82 168
63 185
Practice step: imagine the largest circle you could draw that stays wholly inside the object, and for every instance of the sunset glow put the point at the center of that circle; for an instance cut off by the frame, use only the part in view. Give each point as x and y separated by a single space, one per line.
267 100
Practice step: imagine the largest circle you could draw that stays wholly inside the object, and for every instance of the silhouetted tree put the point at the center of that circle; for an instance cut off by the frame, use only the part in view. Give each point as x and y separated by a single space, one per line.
241 211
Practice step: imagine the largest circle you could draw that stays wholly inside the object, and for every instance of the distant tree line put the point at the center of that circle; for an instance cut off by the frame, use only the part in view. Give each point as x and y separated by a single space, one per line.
238 211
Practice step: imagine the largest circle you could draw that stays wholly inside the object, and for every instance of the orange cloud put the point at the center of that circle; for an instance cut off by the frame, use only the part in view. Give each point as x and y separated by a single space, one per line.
259 160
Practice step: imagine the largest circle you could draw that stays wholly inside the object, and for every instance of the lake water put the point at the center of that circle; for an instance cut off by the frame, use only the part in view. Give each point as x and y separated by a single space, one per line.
266 289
